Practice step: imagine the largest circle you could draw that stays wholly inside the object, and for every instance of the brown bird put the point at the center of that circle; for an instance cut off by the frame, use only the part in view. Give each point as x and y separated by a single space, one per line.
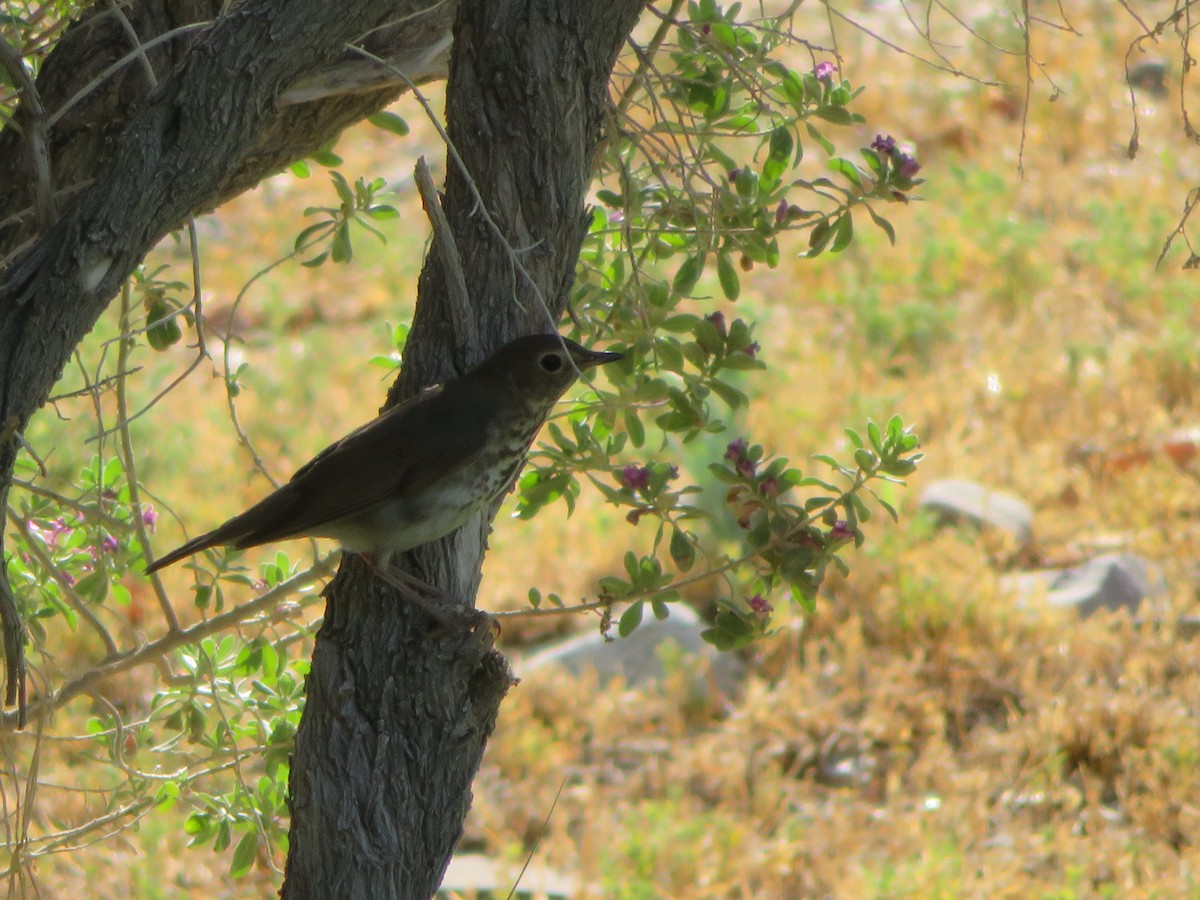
422 468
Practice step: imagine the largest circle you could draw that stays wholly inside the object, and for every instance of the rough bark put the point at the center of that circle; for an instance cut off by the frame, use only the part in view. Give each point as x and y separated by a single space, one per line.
90 117
397 714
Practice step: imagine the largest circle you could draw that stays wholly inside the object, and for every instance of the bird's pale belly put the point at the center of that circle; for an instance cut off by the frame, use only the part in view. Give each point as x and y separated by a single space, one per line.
403 523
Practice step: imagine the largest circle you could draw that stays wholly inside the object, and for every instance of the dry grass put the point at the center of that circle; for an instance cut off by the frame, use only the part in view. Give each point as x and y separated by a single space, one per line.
918 736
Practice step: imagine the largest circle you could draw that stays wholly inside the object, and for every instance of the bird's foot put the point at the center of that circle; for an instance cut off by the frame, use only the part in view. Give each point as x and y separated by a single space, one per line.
449 613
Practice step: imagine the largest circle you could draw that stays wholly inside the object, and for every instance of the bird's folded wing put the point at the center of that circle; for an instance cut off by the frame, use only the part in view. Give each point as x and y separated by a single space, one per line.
400 453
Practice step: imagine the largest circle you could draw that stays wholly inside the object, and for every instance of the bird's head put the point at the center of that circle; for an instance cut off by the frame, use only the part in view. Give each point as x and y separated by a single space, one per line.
541 367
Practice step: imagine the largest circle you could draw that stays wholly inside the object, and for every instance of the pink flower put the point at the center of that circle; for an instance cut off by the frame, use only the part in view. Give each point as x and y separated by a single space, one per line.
759 606
636 478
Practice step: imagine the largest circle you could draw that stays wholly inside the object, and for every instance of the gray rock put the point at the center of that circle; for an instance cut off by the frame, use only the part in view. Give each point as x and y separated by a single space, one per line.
956 502
643 656
475 873
1112 581
1151 76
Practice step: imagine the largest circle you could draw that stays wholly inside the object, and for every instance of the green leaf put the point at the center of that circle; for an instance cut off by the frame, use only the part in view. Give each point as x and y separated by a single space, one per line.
733 398
733 625
244 854
344 191
688 274
874 436
865 459
163 328
825 143
342 250
846 169
631 618
742 362
635 428
782 143
836 114
727 274
819 237
843 233
326 158
93 587
389 122
683 551
884 225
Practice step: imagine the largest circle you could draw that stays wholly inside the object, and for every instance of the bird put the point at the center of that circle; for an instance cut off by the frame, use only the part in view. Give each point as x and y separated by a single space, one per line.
421 469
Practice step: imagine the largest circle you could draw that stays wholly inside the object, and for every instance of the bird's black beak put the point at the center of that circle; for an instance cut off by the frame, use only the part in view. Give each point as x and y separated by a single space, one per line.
597 358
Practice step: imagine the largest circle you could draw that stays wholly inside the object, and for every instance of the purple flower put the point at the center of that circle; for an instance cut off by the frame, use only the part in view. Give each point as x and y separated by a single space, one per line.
884 143
841 532
734 173
759 606
109 544
751 349
825 71
737 449
718 321
636 478
769 486
68 579
781 212
150 517
906 166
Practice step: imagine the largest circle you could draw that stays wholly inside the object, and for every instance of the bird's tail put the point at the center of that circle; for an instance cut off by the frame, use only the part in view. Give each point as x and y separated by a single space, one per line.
193 546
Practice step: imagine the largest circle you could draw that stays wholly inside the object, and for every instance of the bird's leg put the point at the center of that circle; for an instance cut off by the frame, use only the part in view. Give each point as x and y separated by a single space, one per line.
448 612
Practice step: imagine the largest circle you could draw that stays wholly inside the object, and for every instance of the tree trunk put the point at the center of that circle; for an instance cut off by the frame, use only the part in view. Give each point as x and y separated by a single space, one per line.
397 713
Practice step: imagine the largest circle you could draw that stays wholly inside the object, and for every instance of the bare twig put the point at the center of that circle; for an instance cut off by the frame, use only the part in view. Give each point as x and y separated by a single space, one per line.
130 459
115 8
86 509
443 240
120 64
36 133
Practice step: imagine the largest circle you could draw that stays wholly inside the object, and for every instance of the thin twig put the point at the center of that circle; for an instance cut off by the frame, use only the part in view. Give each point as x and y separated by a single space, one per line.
86 509
115 9
461 314
120 64
36 133
130 459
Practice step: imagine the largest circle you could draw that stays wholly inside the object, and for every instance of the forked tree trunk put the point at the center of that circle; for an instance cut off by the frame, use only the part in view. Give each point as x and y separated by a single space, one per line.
130 163
397 715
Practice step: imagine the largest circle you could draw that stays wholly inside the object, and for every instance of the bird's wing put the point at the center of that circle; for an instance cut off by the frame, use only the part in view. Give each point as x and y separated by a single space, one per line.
403 451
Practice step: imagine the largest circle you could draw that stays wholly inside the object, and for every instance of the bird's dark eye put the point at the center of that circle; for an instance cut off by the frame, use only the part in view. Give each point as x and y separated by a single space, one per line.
551 362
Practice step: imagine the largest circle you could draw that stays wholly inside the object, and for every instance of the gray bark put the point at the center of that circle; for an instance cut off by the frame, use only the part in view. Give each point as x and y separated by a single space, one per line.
398 714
